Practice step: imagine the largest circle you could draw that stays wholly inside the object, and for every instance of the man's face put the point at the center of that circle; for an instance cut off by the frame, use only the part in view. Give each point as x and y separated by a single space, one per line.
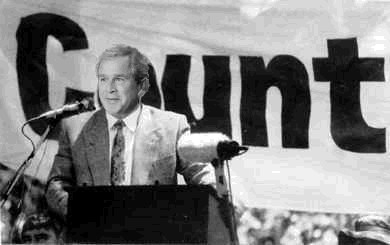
118 91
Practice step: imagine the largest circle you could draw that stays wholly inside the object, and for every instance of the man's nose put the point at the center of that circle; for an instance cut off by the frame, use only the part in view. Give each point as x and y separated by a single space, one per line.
112 85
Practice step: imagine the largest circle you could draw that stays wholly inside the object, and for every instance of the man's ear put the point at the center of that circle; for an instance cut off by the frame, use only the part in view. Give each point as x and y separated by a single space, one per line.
141 93
144 87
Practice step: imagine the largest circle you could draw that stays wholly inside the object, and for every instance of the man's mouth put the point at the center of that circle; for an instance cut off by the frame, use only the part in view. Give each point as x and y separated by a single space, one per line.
112 100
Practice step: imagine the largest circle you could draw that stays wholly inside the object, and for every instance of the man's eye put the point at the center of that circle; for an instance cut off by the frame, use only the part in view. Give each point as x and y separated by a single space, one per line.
119 79
102 79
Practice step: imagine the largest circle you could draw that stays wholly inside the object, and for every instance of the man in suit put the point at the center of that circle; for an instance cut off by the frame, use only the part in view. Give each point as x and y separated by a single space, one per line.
125 142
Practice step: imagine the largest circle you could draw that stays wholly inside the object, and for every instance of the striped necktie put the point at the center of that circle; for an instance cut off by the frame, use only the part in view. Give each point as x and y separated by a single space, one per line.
117 155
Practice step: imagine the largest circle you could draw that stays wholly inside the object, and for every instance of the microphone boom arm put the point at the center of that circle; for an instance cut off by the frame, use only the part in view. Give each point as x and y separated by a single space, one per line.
7 190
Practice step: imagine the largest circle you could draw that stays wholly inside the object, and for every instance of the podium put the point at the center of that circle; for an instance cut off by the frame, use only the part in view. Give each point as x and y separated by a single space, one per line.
148 215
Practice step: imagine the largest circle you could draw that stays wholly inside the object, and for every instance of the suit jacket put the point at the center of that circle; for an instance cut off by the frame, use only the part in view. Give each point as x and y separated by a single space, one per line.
83 154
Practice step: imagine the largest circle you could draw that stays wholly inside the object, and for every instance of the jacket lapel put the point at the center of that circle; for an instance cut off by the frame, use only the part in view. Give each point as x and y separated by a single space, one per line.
145 151
97 140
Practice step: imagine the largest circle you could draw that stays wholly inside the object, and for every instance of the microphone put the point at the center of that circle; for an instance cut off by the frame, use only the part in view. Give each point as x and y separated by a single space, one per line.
205 147
68 110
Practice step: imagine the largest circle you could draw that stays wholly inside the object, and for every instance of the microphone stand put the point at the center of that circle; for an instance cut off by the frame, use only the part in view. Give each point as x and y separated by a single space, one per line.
53 118
226 204
6 191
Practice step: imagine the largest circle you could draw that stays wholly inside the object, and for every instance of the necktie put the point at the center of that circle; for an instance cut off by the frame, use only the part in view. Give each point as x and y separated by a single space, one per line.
117 155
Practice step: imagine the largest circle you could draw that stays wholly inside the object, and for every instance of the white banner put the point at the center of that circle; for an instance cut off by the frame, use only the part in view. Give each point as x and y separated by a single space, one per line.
302 83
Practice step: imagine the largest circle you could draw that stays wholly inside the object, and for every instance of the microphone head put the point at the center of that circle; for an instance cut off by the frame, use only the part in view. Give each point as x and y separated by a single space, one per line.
230 148
200 147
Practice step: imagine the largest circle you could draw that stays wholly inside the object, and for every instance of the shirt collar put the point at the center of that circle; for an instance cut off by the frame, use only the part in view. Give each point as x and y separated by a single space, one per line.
130 120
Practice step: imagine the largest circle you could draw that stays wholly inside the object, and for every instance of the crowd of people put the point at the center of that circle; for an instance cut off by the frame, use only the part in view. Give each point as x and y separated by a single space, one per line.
272 227
269 226
25 217
29 222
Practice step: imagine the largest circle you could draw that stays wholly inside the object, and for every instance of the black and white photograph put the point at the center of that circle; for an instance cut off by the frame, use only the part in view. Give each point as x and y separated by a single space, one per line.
218 122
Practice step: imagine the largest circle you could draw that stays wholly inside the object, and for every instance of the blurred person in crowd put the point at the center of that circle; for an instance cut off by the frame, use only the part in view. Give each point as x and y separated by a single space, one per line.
125 142
34 198
5 175
266 241
36 228
369 230
5 226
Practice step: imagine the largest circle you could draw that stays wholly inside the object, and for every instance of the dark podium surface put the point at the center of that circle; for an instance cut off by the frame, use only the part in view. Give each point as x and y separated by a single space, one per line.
145 215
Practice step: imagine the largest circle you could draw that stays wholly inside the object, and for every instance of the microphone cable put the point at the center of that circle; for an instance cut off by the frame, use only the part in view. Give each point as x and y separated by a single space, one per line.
25 135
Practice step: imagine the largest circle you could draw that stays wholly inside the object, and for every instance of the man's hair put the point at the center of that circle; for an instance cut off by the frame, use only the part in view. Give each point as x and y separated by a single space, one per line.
35 221
138 63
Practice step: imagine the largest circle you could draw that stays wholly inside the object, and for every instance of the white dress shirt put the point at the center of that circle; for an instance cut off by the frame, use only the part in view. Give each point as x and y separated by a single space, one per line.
131 122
